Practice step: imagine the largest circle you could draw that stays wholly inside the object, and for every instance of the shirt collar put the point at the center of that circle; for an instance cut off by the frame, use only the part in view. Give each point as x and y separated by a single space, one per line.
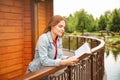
50 37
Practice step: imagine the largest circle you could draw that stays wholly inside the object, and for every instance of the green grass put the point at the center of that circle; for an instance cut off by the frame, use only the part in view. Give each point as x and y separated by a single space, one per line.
114 40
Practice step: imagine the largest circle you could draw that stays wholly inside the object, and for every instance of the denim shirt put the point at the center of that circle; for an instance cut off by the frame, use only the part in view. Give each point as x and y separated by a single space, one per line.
45 51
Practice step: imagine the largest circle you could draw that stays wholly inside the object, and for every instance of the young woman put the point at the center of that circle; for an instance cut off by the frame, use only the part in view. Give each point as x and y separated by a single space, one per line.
48 50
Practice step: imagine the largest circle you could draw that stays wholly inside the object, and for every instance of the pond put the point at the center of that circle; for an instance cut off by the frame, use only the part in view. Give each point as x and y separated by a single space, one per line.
112 63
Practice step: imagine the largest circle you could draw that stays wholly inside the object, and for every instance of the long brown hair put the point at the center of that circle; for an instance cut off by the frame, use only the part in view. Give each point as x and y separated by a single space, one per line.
53 22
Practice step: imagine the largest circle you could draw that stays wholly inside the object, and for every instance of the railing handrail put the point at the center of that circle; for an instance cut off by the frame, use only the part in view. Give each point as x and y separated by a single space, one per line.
49 70
102 43
39 73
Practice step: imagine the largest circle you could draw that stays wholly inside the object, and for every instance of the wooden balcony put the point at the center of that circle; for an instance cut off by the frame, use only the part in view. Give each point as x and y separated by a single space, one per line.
90 66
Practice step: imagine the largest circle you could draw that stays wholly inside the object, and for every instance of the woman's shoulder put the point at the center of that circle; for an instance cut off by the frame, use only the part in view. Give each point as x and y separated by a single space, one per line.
42 39
43 36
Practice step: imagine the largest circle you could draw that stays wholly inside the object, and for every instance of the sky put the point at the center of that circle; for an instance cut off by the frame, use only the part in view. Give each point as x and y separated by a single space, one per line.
94 7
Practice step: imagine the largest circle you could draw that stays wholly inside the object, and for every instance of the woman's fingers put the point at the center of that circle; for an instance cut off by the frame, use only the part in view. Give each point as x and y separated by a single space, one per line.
74 61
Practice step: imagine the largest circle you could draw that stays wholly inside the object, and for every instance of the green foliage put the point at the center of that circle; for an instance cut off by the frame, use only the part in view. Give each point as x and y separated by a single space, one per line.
102 23
113 40
81 21
115 23
90 25
71 24
117 42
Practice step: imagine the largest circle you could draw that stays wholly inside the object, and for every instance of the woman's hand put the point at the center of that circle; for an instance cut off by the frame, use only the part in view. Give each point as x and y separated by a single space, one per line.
70 61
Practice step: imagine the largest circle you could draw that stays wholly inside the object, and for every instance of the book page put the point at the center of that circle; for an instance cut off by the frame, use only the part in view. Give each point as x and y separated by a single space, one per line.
85 48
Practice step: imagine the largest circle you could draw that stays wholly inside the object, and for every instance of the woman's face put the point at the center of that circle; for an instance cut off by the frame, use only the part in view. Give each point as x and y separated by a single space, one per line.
59 29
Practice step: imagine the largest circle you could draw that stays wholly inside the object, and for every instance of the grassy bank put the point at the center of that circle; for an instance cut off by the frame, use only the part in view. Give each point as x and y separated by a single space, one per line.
113 41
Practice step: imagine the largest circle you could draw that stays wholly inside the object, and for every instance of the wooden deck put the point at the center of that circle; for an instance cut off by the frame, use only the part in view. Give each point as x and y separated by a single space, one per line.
68 53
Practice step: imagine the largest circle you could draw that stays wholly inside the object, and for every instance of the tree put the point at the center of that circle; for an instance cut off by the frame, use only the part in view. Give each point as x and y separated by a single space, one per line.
82 20
107 15
102 23
71 24
90 26
115 21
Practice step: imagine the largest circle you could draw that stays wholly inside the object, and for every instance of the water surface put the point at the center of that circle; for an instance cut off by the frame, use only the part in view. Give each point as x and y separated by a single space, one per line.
112 63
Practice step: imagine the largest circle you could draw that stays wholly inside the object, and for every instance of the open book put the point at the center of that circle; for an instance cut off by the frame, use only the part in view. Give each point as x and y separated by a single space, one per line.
85 48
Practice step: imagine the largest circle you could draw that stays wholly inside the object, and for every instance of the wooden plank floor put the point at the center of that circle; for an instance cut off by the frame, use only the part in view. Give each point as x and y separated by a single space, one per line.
68 53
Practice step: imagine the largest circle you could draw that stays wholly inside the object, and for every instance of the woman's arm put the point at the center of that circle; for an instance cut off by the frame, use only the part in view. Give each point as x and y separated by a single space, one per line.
69 61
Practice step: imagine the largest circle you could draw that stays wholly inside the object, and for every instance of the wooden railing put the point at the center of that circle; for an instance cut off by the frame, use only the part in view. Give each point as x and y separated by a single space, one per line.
90 66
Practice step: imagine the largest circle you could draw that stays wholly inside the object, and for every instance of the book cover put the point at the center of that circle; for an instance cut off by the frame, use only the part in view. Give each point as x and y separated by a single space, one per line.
85 48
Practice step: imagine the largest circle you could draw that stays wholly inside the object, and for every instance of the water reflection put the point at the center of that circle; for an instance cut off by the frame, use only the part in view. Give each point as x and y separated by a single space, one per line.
112 63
